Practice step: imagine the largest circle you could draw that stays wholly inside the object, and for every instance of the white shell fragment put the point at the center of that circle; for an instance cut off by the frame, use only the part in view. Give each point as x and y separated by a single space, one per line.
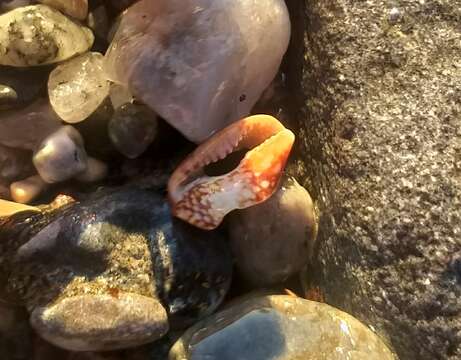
75 8
61 155
38 35
199 64
77 87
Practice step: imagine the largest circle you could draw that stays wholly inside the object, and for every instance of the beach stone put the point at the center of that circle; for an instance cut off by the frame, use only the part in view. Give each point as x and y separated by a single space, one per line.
78 87
116 242
75 8
132 129
61 155
274 240
380 153
100 322
200 64
280 328
27 190
39 22
26 128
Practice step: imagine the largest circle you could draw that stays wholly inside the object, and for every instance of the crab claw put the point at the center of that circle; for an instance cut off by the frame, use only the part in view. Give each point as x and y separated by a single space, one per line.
203 201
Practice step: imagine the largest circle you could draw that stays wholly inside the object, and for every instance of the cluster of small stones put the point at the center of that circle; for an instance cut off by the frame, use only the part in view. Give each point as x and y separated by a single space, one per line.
117 271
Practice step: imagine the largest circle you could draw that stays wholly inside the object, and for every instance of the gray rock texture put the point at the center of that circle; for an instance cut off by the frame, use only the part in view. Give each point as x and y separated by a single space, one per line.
380 147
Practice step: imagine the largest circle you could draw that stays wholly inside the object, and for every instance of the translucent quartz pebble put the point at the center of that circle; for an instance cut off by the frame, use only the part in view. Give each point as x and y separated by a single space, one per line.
78 87
38 34
119 95
61 155
26 128
274 240
280 328
132 129
75 8
199 64
101 322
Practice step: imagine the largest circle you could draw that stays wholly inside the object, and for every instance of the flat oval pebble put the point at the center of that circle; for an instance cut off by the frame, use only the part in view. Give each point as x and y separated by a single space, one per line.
280 328
100 322
78 87
38 35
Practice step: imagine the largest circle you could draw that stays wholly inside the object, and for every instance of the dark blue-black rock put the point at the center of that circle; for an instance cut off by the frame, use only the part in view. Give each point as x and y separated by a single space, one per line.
106 273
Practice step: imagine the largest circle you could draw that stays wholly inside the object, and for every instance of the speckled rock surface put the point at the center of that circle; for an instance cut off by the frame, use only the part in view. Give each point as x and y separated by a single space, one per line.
381 149
280 328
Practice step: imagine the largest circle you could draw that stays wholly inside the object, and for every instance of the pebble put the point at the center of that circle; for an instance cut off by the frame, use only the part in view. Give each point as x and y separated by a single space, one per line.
101 322
116 242
75 8
132 129
26 128
220 57
96 170
120 95
61 155
78 87
280 328
274 240
27 190
38 22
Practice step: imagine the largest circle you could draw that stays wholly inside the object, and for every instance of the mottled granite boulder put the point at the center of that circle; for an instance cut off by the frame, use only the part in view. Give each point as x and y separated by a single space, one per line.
380 141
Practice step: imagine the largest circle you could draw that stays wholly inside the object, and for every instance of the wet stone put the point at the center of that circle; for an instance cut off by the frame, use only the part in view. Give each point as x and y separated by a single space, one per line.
280 328
132 129
115 242
274 240
61 155
101 322
78 87
40 23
